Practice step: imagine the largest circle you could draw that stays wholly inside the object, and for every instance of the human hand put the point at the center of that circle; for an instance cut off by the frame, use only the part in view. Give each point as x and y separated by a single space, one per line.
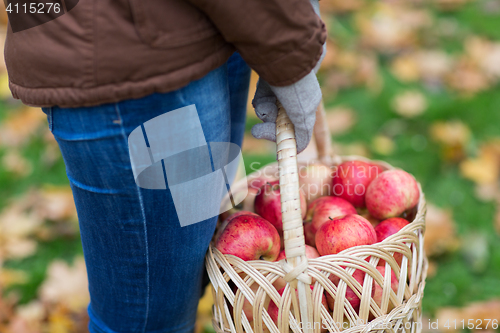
300 101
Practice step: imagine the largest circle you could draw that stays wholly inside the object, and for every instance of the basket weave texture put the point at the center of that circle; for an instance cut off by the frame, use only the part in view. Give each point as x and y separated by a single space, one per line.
300 308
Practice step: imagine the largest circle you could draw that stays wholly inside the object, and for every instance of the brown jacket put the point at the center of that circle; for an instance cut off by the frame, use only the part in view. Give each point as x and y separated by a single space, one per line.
105 51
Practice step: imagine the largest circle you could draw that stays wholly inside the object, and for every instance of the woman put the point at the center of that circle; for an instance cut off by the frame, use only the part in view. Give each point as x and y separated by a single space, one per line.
106 67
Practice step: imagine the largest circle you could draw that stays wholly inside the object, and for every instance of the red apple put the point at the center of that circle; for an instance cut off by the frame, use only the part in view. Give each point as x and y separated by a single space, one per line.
370 218
351 179
308 234
391 193
254 186
315 180
350 295
247 307
268 204
228 219
311 253
377 294
324 208
344 232
387 228
249 237
273 309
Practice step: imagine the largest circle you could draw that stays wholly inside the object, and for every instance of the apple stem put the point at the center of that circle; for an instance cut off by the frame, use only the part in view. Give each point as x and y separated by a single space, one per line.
330 218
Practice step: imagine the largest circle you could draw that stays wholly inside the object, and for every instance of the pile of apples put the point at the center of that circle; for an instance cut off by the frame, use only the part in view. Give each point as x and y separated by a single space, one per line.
352 204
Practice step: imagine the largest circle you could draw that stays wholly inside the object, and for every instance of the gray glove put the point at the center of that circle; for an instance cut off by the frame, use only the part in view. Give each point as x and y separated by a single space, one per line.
300 101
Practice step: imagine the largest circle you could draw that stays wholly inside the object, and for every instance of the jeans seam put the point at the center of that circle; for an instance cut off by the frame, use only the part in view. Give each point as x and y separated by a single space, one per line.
118 113
50 119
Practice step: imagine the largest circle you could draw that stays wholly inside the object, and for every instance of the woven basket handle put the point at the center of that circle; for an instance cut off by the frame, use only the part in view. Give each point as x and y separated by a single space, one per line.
322 136
293 232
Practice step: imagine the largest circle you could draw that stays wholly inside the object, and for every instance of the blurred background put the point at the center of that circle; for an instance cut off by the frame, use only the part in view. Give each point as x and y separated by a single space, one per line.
415 83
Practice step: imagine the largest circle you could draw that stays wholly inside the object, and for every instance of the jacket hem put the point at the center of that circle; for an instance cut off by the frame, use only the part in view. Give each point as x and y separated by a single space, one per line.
70 97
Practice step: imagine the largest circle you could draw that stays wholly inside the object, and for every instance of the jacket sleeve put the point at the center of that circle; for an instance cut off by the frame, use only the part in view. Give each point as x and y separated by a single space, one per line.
280 39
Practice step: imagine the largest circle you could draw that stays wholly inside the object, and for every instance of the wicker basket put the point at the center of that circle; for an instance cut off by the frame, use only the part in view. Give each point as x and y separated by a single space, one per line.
302 310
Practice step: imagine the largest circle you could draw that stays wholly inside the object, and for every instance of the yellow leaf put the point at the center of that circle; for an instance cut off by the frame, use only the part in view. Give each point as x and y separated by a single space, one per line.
4 86
60 322
450 133
485 168
383 145
482 170
405 69
12 276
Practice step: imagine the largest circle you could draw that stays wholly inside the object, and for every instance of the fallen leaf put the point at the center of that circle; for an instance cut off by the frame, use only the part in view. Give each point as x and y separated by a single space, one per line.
383 145
16 229
405 68
14 162
340 119
4 84
450 133
481 313
468 78
56 203
453 136
9 277
60 321
486 191
409 104
20 125
440 231
389 27
426 65
31 312
66 285
484 169
29 318
204 316
434 64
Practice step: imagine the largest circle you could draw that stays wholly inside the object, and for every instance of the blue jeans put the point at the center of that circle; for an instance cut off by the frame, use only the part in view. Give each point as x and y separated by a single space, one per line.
144 270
